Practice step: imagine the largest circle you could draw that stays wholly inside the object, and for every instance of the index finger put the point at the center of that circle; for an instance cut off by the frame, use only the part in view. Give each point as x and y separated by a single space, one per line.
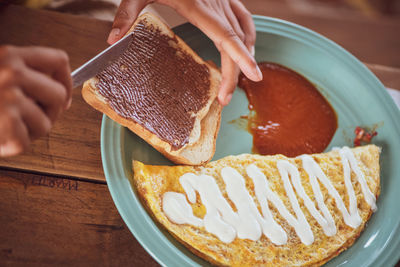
246 22
53 62
225 38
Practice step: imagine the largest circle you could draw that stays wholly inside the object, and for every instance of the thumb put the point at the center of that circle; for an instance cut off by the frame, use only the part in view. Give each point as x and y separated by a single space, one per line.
126 15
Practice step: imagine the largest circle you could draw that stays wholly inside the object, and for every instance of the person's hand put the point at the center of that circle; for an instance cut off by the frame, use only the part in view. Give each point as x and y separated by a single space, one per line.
228 24
35 87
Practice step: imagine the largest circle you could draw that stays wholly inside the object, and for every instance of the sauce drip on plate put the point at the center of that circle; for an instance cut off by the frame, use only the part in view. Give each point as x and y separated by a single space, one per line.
288 115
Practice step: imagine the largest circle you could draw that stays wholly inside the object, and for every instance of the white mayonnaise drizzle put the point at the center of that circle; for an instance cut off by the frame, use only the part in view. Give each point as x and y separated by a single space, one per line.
235 187
179 211
247 222
351 217
220 219
347 154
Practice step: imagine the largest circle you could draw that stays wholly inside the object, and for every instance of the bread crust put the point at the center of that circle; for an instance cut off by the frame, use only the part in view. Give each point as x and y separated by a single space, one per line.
196 152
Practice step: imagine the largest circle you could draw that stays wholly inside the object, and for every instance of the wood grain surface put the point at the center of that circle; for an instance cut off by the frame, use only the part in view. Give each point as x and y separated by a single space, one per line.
50 221
389 76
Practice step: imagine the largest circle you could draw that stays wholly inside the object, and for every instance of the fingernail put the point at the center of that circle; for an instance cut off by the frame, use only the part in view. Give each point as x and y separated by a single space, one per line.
69 103
113 35
9 149
252 51
259 73
228 99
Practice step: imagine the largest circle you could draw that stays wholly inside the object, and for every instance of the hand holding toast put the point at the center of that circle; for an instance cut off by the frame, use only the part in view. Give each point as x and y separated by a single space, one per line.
35 87
228 24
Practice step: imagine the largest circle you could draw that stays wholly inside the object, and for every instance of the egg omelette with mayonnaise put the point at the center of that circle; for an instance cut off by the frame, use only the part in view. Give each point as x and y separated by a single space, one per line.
252 210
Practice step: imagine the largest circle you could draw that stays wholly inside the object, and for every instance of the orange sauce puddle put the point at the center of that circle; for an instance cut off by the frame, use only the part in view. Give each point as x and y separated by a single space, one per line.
288 115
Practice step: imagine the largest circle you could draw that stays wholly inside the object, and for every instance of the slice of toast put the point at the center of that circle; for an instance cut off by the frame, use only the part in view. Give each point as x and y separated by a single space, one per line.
162 91
153 182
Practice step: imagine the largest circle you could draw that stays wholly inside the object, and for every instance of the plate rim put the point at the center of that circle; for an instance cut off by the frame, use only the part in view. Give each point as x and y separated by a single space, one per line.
111 139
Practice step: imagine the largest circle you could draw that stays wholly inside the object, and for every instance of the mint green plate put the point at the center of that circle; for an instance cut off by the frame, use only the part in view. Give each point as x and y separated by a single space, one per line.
353 91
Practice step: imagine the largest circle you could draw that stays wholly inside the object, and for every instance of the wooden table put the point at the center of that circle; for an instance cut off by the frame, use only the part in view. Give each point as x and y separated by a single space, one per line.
55 208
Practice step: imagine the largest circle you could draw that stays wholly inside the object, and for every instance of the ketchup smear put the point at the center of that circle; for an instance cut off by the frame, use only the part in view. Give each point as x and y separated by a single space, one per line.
288 114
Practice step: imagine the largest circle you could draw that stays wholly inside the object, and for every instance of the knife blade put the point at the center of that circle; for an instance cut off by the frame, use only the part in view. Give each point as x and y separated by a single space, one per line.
101 61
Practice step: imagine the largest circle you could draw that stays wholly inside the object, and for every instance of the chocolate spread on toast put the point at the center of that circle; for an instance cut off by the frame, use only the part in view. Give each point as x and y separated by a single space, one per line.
156 84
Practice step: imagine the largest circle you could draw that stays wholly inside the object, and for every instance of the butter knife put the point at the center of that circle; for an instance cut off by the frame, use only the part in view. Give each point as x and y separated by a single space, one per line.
101 61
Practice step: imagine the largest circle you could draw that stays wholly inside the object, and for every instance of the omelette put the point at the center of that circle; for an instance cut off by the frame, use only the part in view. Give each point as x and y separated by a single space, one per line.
253 210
